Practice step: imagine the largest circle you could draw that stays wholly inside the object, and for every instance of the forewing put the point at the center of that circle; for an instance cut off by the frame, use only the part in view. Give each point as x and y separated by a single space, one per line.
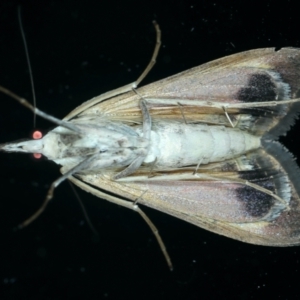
254 76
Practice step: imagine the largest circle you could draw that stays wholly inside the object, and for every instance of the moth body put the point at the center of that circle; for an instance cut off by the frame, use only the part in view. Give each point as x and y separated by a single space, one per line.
201 145
171 144
176 145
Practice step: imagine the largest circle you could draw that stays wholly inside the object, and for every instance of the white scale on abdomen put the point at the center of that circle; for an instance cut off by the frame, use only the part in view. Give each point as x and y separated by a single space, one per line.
183 144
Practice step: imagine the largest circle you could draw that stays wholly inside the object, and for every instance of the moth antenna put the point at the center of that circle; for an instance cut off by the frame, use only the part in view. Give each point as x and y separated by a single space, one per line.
153 58
40 113
85 214
28 62
55 184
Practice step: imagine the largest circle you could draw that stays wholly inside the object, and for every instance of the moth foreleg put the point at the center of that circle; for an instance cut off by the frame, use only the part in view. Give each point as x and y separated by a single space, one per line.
127 204
131 168
83 165
146 135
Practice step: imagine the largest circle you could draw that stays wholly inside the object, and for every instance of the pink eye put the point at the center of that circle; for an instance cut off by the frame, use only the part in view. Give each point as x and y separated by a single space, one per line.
37 135
37 155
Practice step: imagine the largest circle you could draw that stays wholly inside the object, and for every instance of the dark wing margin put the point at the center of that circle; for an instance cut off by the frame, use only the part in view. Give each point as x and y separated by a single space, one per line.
276 80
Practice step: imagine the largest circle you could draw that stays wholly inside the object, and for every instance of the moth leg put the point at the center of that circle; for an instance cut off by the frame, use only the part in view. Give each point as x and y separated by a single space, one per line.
131 168
261 189
140 197
246 183
147 122
156 234
197 167
128 87
151 173
181 111
228 117
85 214
147 135
153 58
129 205
261 104
55 184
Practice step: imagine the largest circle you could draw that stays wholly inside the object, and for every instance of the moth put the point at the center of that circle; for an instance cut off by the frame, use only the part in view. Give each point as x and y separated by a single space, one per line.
201 146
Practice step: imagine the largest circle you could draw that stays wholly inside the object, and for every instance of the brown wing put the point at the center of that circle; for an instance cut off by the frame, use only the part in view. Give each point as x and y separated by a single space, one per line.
254 76
225 203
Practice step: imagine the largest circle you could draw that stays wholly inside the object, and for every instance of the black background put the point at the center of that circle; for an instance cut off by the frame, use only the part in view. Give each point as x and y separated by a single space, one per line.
80 49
